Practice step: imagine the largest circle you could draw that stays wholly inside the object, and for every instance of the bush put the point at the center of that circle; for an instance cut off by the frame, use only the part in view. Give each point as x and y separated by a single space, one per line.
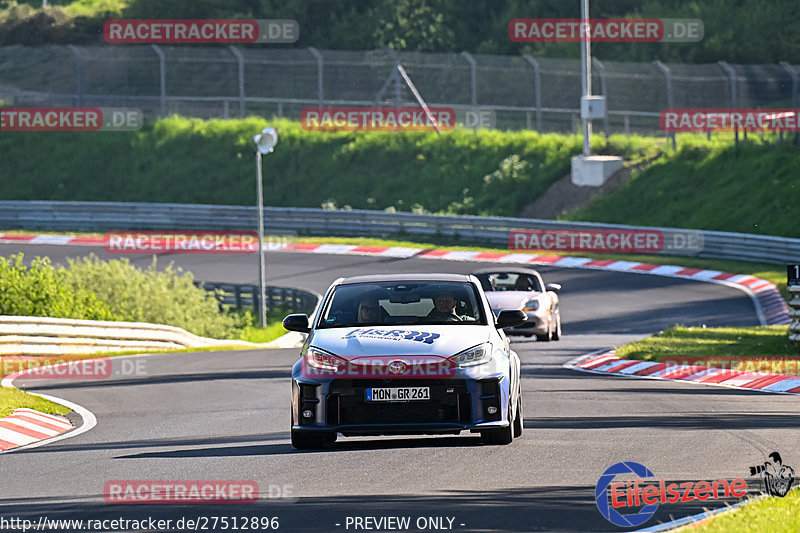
43 290
166 296
92 289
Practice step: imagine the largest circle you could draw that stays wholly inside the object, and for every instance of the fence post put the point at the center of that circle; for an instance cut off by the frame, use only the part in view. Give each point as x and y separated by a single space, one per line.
240 59
537 89
670 104
162 77
320 72
473 77
398 84
78 73
793 73
734 96
601 70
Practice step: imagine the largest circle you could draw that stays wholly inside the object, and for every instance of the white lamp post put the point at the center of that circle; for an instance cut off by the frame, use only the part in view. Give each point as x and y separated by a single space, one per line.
586 75
264 142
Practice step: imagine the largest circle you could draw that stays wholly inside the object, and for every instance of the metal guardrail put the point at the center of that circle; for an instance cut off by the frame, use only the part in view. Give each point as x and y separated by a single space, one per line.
24 335
240 296
107 216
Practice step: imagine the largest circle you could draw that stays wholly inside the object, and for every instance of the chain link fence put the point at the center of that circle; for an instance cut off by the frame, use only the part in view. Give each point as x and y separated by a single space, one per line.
524 92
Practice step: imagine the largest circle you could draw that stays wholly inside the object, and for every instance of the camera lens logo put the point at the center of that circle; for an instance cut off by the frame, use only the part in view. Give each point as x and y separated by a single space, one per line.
777 477
601 495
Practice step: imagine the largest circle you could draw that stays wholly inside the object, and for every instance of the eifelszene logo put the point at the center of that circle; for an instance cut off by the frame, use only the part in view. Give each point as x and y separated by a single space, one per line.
777 477
645 498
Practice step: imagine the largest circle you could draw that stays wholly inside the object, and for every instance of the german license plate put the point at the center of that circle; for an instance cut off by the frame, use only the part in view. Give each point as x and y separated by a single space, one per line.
398 394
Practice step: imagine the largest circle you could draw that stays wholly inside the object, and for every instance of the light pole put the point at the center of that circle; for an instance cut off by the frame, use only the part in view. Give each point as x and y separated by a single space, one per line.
264 142
586 74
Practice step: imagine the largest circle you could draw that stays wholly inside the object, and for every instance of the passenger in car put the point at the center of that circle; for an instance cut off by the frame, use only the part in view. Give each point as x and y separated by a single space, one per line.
523 284
370 312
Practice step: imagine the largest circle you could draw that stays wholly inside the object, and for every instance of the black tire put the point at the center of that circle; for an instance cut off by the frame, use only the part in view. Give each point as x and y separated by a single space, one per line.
501 436
548 336
557 332
518 420
312 440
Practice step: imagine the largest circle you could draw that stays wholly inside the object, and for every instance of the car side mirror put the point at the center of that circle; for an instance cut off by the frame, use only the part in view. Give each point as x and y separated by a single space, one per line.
510 318
555 287
297 322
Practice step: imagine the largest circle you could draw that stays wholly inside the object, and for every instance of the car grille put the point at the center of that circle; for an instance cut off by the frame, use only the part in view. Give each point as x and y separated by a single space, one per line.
347 405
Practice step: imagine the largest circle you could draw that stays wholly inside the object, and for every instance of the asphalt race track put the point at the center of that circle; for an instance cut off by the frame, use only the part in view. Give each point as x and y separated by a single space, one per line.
224 415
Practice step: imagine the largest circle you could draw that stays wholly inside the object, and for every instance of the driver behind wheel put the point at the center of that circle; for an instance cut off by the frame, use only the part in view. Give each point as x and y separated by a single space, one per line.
444 308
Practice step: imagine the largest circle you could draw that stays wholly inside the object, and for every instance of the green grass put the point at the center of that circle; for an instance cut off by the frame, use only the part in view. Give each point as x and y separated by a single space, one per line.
681 343
774 514
273 330
703 185
487 172
710 186
11 399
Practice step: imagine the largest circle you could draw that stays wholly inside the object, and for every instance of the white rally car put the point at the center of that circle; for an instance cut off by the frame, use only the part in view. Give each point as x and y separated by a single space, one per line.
405 354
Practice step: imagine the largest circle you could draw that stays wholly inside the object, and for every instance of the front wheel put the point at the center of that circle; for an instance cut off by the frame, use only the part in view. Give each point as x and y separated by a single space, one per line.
312 440
500 435
557 332
518 420
548 335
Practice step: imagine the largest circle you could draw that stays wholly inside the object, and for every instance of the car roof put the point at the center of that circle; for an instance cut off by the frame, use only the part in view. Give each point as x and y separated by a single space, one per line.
407 277
511 269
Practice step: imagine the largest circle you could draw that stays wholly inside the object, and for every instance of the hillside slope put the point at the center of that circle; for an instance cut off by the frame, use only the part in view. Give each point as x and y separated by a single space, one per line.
754 190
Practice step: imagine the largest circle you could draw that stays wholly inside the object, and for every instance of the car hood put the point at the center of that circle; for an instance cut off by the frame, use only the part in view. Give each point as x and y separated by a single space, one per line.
439 341
509 299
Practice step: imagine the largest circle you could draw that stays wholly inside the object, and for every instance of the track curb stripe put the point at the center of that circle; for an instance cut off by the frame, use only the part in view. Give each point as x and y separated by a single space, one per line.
770 305
18 430
606 362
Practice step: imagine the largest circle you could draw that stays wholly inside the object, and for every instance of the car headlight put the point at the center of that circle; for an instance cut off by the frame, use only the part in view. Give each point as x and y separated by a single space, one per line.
474 356
323 360
531 305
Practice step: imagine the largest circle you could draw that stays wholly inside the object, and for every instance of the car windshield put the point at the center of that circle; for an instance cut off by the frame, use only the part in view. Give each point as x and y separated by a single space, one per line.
509 281
402 303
